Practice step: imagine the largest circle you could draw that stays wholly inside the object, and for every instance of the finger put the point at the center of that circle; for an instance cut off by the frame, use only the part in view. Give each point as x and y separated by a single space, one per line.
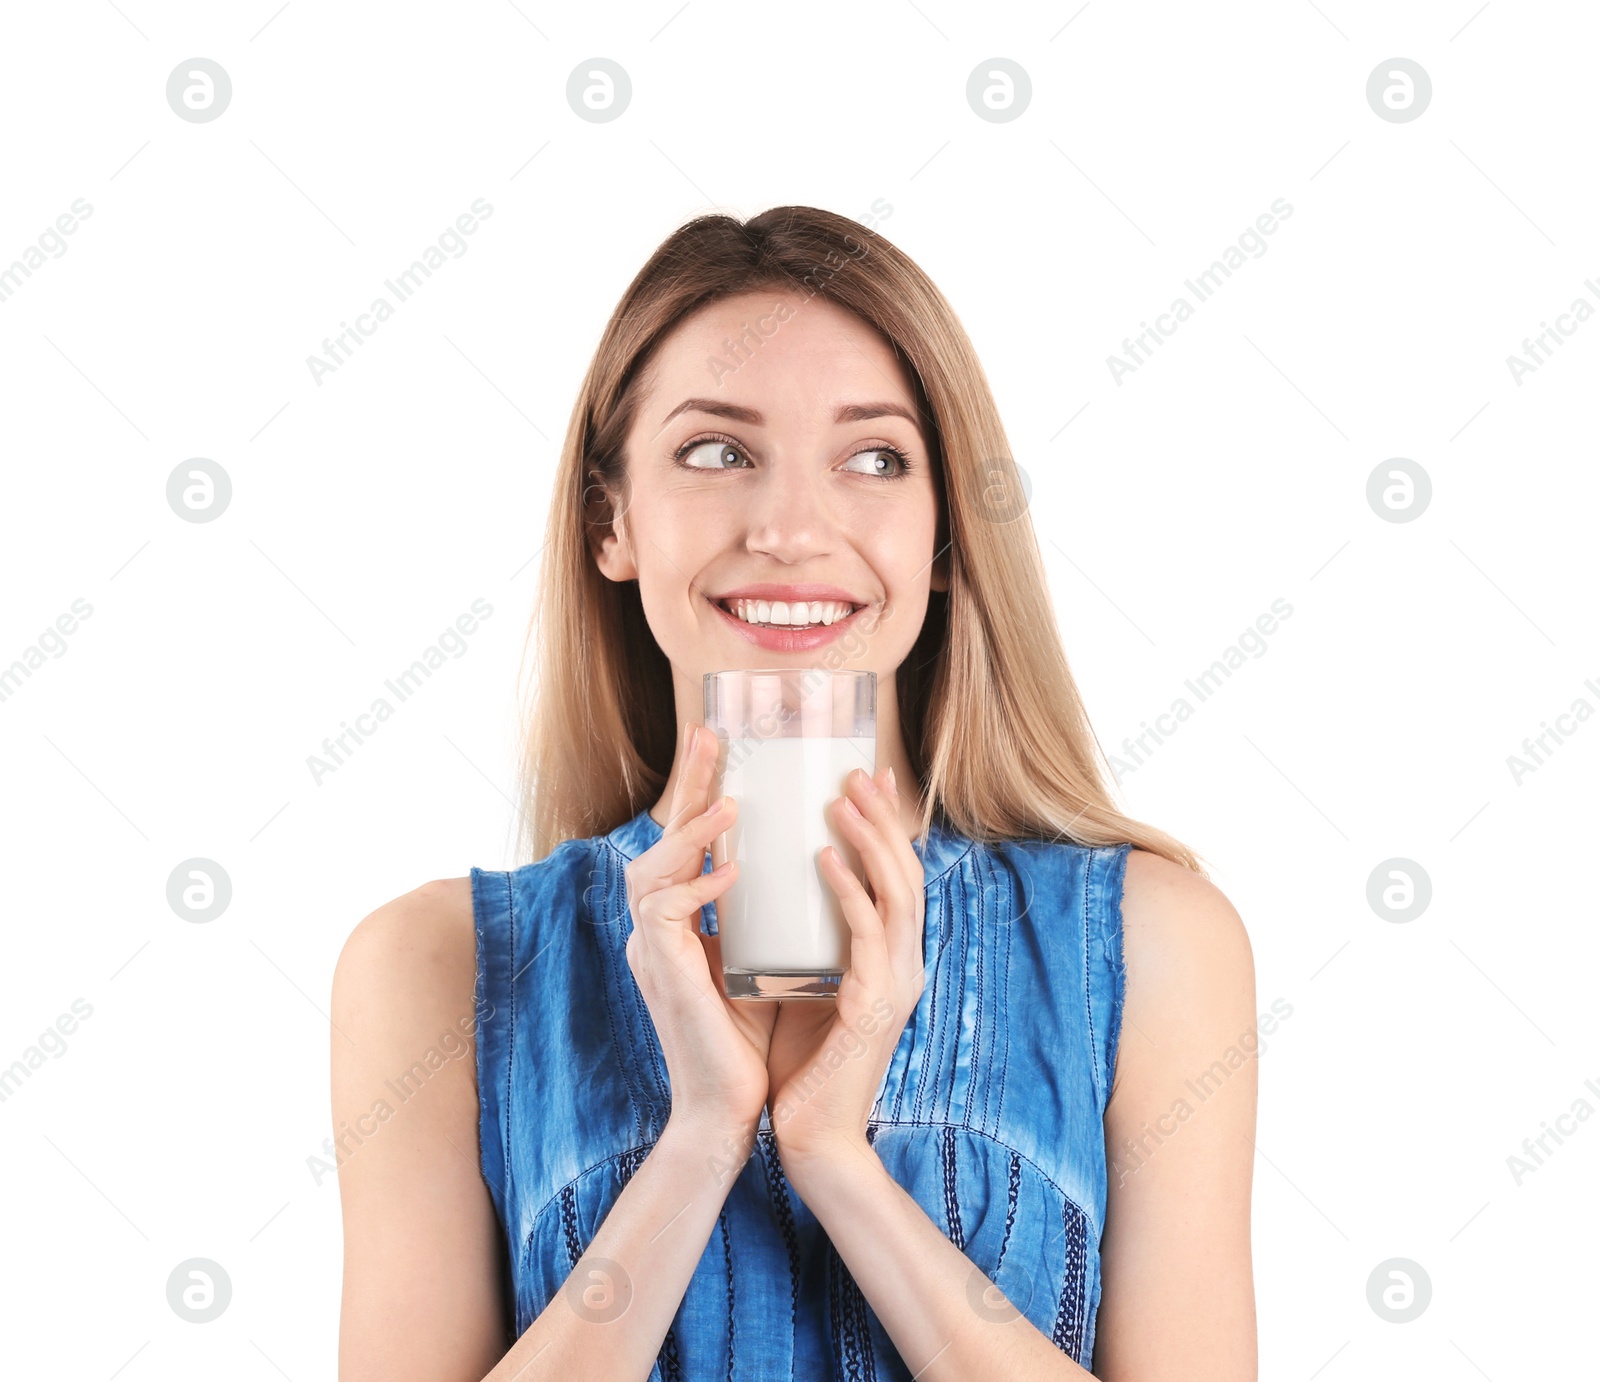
915 873
700 753
900 901
869 956
884 809
680 854
904 920
680 793
868 827
671 909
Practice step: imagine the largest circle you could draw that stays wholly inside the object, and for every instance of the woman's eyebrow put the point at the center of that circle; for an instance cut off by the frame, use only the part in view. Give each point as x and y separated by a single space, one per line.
847 412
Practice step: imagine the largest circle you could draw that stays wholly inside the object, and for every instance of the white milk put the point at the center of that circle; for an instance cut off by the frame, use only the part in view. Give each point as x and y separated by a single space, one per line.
779 915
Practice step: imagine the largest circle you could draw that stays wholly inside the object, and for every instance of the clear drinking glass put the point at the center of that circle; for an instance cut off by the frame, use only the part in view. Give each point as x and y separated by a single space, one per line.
787 739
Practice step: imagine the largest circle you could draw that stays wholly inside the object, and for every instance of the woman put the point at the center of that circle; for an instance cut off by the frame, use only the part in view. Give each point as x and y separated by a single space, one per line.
1030 1148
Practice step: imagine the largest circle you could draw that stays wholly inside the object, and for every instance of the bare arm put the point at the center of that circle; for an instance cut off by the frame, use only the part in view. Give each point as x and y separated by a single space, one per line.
1178 1298
947 1319
424 1257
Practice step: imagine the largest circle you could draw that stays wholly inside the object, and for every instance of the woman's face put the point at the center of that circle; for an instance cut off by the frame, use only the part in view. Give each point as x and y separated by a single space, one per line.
780 479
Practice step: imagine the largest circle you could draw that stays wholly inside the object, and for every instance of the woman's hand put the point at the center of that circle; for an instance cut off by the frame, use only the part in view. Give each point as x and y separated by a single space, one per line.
826 1060
716 1050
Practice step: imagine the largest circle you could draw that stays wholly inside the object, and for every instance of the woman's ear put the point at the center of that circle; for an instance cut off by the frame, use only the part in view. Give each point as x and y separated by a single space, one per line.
604 516
613 552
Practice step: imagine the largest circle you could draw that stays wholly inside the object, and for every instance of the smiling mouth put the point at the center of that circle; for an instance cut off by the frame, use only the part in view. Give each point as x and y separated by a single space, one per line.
781 614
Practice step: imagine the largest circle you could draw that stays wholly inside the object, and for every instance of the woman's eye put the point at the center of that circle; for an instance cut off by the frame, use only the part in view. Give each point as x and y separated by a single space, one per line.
878 460
719 455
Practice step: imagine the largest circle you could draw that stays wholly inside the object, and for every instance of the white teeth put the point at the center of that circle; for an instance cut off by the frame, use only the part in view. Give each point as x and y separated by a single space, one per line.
790 614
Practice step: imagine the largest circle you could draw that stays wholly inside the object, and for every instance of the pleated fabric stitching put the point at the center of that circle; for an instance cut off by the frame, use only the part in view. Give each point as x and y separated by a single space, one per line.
671 1364
956 1006
569 1225
863 1329
934 1031
727 1255
952 1199
511 1038
978 1033
661 1102
853 1341
1004 923
1088 1001
601 938
1068 1333
1013 1184
778 1194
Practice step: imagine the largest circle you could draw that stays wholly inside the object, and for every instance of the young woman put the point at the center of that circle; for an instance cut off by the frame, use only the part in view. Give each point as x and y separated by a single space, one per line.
1040 1160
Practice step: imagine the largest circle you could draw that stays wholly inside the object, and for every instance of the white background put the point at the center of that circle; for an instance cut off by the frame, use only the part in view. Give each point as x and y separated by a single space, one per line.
1172 509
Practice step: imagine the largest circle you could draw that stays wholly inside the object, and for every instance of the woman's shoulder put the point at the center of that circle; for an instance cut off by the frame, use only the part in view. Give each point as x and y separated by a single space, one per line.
1190 967
429 918
413 957
429 935
1177 925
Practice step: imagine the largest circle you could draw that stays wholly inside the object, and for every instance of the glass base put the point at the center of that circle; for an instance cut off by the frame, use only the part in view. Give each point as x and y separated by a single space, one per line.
744 983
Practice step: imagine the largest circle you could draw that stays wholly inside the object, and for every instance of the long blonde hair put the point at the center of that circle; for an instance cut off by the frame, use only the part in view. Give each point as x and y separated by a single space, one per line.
992 719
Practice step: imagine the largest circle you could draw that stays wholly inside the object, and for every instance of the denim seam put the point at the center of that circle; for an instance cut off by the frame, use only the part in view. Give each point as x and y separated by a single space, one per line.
654 1058
778 1196
1088 997
485 1034
952 1197
1005 1028
569 1226
933 1011
938 877
608 969
1071 1306
508 1180
1111 948
727 1253
1013 1184
1004 1146
978 1032
556 1194
957 1008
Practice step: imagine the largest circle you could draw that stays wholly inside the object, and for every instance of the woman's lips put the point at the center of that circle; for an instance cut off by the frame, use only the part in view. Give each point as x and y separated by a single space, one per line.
781 640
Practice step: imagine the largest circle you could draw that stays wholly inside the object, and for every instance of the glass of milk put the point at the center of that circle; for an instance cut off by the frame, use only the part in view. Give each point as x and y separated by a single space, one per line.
787 739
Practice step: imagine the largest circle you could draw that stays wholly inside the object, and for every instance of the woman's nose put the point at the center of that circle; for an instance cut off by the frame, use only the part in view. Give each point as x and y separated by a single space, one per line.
789 517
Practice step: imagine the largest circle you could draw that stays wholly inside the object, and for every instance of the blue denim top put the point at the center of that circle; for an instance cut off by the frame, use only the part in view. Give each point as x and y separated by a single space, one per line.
989 1114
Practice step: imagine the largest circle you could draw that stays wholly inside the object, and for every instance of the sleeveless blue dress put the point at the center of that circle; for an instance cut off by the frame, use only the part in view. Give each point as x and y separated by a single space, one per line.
989 1114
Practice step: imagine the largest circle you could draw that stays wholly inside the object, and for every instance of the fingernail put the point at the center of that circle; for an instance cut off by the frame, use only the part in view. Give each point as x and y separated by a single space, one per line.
850 808
694 737
892 787
866 779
